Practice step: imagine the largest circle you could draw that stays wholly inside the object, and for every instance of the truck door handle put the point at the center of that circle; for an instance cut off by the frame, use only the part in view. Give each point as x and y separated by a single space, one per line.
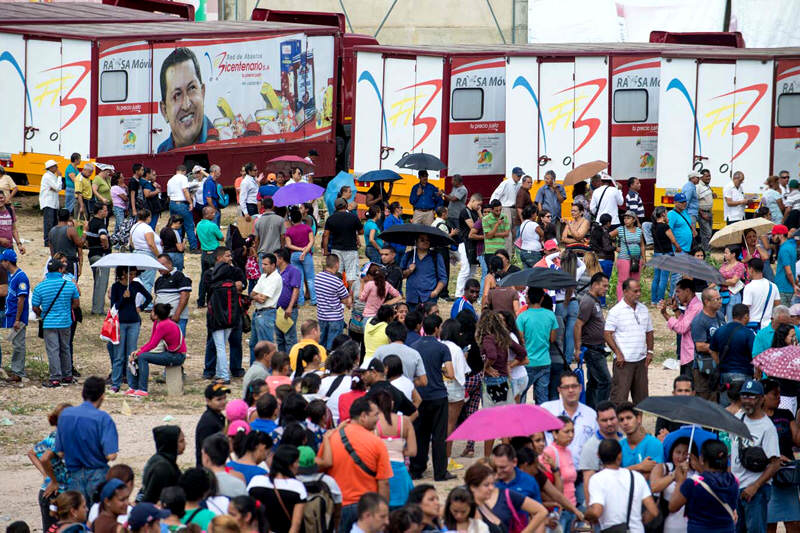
385 151
156 130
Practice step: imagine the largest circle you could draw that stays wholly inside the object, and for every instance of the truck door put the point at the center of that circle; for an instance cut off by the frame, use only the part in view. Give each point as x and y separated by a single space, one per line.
715 114
752 116
44 77
523 117
786 155
399 77
427 120
677 130
75 114
15 94
369 123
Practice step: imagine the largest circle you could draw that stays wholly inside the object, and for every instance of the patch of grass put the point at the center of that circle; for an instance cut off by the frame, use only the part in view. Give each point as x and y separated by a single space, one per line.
36 367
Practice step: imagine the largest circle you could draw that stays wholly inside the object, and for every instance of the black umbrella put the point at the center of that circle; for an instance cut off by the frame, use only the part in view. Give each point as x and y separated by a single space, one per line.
421 161
687 265
694 410
545 278
379 175
407 234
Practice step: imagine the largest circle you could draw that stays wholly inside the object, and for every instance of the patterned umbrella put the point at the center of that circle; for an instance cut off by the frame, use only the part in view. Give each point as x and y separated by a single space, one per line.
780 362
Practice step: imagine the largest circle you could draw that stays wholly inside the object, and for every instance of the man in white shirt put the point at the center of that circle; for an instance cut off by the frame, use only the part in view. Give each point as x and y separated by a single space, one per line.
265 296
760 295
583 417
248 192
783 182
606 198
705 204
506 194
48 197
612 488
629 334
734 199
180 203
755 487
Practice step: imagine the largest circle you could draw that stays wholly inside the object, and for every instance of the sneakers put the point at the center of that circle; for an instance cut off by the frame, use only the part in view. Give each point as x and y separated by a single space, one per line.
51 384
113 390
136 393
453 465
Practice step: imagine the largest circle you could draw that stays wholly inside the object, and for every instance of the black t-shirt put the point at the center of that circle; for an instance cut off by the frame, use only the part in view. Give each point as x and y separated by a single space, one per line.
169 240
230 272
793 219
210 422
463 228
133 191
96 228
343 227
783 418
278 497
661 242
394 275
401 403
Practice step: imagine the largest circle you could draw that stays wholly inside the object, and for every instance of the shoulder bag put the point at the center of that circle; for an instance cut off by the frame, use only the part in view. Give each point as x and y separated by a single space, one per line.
600 202
752 458
756 326
518 524
49 307
634 260
623 528
705 486
354 456
788 475
518 240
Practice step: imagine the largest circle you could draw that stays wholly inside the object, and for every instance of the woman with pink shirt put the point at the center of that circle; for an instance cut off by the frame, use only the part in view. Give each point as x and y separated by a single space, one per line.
300 240
166 347
376 291
558 451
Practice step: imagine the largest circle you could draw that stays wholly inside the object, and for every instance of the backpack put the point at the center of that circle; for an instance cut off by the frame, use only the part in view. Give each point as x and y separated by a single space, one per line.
318 511
222 196
224 309
141 202
122 233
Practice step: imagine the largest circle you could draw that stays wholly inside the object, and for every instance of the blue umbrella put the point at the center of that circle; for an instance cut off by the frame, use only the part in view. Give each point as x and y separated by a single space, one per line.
334 186
380 175
699 437
296 193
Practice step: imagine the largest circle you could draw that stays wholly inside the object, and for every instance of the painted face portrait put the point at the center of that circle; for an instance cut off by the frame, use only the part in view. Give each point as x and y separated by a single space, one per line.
183 94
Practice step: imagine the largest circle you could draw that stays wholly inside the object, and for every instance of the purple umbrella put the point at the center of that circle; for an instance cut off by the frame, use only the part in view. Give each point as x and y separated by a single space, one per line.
297 193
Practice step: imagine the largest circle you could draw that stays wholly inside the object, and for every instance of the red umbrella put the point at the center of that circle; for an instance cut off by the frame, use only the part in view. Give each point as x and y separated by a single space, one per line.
515 420
291 159
780 362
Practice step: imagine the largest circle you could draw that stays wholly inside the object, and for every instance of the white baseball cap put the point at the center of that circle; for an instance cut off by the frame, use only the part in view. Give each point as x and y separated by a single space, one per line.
197 168
50 163
694 174
102 167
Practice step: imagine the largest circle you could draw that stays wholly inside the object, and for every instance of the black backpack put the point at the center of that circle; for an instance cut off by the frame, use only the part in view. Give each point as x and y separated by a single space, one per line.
224 309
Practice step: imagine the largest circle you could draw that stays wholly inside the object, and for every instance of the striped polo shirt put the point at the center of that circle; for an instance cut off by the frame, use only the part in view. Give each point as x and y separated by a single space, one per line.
60 314
330 292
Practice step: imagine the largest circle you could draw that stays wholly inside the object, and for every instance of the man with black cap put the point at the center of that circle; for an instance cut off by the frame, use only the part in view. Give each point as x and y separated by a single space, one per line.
506 194
374 377
212 420
424 198
146 518
754 476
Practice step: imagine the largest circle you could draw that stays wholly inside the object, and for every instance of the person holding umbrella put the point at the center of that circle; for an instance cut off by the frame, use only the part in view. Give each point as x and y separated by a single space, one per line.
754 476
124 294
424 197
424 271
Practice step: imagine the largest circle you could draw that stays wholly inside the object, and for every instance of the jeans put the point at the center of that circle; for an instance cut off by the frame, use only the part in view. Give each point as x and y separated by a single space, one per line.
598 380
529 257
100 276
183 210
726 379
348 261
49 218
660 280
69 198
177 260
538 378
139 382
119 217
56 344
348 518
147 277
306 268
128 339
86 480
235 345
285 341
484 270
556 368
734 299
154 219
220 338
329 330
431 425
569 314
674 278
262 328
373 255
182 325
18 352
465 272
753 514
607 265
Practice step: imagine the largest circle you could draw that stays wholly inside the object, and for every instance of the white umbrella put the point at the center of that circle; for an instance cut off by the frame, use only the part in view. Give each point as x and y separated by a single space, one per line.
137 261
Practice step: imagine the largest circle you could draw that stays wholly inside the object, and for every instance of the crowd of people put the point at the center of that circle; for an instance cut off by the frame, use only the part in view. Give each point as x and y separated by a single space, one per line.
342 413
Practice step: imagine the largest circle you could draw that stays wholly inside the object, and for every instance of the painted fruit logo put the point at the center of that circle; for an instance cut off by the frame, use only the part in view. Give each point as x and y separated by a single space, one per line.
647 161
129 139
485 157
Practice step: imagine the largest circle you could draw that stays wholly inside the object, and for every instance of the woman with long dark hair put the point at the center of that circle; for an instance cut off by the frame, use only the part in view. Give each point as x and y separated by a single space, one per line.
300 241
460 510
371 232
531 236
493 503
281 493
114 494
450 336
124 293
473 379
249 514
394 218
251 450
376 291
397 433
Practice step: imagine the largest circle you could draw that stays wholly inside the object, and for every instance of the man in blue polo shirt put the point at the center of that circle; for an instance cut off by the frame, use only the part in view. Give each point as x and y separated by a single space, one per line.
16 312
210 193
640 450
86 438
472 289
680 222
424 271
509 476
424 198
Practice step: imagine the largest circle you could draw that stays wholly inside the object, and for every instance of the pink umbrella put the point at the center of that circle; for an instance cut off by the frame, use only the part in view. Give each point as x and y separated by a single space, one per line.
780 362
516 420
291 159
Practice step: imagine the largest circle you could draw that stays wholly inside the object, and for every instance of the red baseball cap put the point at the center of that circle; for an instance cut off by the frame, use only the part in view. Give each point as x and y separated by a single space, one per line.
779 229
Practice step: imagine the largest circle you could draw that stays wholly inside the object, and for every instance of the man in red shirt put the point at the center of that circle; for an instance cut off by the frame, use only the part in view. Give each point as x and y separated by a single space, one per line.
357 459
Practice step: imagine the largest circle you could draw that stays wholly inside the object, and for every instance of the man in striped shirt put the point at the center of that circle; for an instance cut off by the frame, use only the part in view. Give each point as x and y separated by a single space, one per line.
467 302
331 295
633 200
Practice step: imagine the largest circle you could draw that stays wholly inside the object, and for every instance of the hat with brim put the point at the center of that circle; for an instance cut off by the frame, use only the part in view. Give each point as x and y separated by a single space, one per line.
50 163
306 462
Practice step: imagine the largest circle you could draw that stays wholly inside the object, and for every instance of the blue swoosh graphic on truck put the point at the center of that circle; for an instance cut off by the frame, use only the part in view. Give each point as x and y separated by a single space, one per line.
6 56
521 81
675 83
367 76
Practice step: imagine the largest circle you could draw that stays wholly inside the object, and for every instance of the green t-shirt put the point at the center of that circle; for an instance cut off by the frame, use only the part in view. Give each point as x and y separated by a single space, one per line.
200 517
495 243
103 189
209 235
536 325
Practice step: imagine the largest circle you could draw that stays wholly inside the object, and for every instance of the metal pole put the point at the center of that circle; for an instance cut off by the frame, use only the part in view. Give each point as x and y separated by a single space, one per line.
513 21
384 18
346 16
500 31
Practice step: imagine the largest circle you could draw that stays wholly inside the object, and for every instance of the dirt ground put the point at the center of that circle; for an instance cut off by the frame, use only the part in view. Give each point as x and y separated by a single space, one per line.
24 407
